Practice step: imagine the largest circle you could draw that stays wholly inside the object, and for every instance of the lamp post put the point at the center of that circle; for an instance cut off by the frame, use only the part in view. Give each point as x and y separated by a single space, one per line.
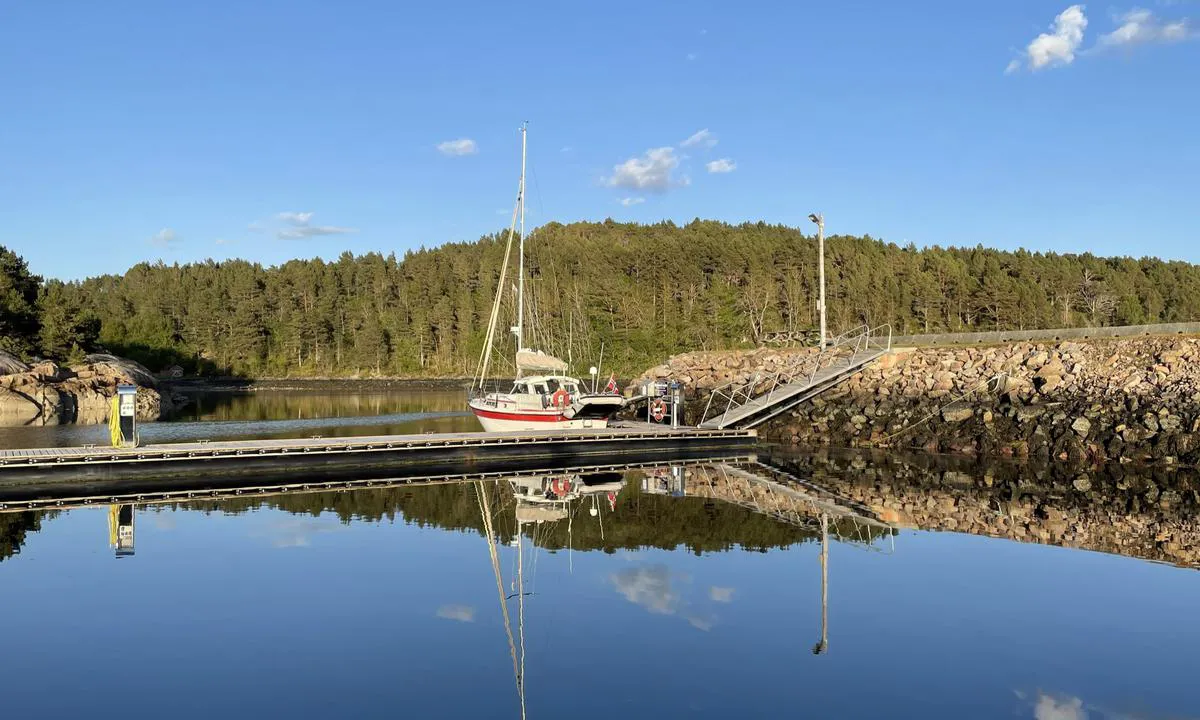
820 221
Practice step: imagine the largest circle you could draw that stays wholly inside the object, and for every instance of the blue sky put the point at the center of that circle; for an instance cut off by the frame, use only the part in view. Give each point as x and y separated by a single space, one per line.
134 131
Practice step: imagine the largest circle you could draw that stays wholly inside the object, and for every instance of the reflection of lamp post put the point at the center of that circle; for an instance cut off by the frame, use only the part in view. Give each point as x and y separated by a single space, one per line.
820 221
821 647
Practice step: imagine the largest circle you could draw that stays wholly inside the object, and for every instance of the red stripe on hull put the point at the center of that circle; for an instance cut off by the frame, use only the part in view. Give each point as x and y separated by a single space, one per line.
529 417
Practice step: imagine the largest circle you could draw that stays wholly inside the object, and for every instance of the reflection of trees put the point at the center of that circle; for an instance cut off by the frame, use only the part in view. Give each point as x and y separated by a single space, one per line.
13 528
639 520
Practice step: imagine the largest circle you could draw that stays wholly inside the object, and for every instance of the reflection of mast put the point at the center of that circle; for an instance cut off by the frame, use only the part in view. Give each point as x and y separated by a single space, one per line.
489 530
821 647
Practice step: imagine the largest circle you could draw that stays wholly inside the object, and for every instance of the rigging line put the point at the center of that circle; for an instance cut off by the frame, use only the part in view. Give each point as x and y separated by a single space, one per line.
485 512
538 190
486 354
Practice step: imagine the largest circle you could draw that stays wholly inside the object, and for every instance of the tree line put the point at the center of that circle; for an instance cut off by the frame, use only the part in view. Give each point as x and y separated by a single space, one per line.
636 293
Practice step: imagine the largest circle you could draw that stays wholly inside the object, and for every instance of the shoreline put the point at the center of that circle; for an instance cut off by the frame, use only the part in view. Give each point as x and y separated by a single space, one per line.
250 385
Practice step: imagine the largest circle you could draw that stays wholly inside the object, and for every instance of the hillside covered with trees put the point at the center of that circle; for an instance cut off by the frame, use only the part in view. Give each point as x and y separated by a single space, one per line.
642 292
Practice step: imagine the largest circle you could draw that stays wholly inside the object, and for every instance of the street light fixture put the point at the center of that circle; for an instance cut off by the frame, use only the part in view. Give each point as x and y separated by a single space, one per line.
820 221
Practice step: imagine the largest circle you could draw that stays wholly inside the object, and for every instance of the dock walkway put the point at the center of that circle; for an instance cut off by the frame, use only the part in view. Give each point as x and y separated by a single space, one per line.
32 472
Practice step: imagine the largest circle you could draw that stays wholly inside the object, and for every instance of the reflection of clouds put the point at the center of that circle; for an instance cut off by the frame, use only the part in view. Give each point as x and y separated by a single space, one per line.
649 587
655 588
1069 707
1049 707
296 532
461 613
721 594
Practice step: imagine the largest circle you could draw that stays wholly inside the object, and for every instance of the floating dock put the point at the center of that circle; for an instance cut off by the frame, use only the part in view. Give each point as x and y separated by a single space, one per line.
30 475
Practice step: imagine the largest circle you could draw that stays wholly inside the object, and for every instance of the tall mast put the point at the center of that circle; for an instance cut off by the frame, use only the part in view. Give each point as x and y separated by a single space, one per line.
521 251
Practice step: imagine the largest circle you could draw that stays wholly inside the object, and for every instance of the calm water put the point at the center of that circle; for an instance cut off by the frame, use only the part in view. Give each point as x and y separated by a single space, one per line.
956 592
278 413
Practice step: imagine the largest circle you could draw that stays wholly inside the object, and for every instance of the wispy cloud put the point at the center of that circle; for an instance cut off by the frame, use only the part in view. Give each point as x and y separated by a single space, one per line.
164 237
650 171
649 587
1057 47
721 594
458 148
221 241
692 56
461 613
1049 707
701 138
298 226
292 532
1142 27
296 218
724 165
630 201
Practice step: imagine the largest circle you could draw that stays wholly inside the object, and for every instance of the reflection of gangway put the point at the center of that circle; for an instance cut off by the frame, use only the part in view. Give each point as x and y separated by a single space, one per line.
749 403
803 505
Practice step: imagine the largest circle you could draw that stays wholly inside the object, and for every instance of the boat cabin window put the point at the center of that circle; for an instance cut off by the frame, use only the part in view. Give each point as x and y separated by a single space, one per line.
540 388
552 384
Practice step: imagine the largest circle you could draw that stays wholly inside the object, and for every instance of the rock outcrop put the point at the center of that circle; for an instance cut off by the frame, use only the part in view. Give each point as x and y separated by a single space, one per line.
48 393
1128 398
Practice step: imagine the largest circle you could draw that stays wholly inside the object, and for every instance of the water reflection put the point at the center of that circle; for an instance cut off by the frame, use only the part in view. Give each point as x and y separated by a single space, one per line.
279 413
720 580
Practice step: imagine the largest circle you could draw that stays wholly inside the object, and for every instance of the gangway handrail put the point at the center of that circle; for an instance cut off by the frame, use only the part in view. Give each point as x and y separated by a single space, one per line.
738 393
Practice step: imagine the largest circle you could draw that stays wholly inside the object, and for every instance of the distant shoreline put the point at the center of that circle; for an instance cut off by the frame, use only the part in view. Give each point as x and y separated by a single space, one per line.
316 384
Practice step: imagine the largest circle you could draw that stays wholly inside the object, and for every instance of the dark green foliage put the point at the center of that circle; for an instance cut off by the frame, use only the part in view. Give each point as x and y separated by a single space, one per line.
18 304
67 331
641 520
642 292
14 527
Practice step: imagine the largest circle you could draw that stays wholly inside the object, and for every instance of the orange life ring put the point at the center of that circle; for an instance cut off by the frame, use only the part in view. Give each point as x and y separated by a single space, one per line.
658 410
561 487
560 399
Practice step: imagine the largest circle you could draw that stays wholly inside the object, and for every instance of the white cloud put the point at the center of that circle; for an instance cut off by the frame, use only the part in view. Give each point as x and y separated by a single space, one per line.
651 171
458 148
1051 708
1057 47
649 587
299 227
630 201
164 237
461 613
296 218
701 138
724 165
720 594
221 241
1140 27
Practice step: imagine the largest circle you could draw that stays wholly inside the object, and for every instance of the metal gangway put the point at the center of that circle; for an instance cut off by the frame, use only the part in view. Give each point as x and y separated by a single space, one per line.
746 403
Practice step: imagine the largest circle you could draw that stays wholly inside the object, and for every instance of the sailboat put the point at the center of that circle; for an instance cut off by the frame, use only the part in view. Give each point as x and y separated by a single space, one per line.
543 396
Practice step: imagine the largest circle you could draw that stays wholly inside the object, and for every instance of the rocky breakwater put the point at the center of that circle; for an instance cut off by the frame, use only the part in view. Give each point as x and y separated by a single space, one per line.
1127 399
48 393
